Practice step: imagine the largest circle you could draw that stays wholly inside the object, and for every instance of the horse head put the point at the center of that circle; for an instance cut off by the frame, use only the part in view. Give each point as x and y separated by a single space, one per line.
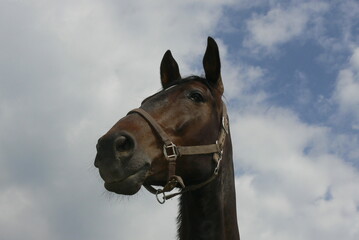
186 112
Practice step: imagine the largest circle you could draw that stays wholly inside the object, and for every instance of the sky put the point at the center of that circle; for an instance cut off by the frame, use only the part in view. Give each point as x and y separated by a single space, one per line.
70 69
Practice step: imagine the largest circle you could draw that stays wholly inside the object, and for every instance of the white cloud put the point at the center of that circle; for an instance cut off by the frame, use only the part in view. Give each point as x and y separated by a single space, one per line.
280 25
347 89
70 70
20 216
242 81
293 186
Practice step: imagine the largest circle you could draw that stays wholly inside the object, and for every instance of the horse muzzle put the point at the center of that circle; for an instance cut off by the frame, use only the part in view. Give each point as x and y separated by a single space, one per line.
122 168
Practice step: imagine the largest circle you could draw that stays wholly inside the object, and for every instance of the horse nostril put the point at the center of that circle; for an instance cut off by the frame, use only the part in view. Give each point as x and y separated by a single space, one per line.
124 146
121 143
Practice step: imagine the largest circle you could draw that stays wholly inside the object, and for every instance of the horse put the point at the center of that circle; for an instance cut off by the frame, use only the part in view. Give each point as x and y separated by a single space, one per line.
179 138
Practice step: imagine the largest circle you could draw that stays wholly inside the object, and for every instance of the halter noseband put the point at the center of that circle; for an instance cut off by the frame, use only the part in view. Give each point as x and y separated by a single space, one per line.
172 152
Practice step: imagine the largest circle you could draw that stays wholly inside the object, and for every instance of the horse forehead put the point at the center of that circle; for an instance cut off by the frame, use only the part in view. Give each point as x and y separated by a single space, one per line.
188 85
176 89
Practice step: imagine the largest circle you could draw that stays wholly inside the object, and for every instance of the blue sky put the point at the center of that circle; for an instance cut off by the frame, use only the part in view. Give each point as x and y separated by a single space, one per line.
299 65
69 70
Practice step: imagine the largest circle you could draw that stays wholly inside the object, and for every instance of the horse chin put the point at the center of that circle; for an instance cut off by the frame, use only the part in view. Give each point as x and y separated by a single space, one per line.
129 185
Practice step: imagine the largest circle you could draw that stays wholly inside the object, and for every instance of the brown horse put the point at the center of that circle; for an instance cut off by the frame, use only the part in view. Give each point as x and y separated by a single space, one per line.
178 138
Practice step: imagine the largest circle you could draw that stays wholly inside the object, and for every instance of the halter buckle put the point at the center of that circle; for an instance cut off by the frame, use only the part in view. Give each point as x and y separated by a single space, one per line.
170 151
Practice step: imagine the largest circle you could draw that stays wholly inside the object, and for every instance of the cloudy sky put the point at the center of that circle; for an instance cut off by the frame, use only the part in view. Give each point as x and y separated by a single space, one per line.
70 69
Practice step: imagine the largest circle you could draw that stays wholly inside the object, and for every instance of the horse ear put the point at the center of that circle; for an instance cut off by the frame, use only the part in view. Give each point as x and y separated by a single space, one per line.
212 65
169 69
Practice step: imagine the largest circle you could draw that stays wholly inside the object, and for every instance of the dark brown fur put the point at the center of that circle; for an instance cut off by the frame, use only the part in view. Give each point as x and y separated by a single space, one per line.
189 111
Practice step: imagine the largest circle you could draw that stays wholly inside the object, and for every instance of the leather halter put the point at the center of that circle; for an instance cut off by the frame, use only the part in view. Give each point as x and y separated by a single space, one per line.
172 152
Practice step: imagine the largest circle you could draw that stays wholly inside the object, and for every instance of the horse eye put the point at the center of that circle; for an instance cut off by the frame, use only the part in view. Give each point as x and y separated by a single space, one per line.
196 97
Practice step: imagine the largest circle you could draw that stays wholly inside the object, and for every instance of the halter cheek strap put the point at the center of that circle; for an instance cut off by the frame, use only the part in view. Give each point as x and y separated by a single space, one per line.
171 152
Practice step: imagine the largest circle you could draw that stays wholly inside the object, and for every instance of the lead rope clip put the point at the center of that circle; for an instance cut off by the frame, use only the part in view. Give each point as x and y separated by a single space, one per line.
158 192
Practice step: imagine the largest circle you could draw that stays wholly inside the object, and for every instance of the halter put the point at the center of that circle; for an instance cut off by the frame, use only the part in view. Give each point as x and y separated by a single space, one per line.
172 152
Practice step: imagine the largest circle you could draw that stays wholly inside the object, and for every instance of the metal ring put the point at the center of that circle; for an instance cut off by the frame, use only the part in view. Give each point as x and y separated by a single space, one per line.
163 197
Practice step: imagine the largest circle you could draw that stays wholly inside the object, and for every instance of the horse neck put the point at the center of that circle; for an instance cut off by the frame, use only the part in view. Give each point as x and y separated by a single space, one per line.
210 212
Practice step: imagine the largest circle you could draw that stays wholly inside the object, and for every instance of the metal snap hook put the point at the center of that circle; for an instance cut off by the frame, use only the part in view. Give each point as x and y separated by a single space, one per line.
158 192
